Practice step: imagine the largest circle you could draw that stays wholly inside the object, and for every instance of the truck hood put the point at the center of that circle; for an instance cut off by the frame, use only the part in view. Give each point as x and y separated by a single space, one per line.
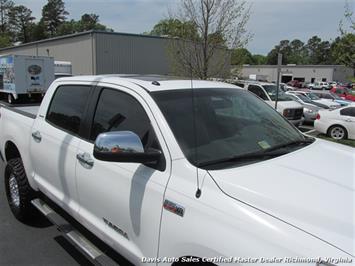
311 189
282 105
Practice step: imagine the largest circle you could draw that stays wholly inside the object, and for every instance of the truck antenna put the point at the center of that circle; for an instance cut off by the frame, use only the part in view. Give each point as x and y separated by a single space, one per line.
198 191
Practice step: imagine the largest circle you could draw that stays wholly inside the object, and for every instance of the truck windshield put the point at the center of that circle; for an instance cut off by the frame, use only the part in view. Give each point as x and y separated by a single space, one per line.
271 91
313 96
304 98
217 123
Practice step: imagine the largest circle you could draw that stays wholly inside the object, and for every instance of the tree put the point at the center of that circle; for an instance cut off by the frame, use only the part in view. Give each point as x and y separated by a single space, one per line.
5 7
284 48
343 50
241 56
349 18
86 23
259 59
298 53
67 27
39 31
319 51
90 22
53 15
5 40
219 24
21 21
175 28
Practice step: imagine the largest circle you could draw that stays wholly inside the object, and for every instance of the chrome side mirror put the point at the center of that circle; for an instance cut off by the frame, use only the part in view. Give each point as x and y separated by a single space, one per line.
123 146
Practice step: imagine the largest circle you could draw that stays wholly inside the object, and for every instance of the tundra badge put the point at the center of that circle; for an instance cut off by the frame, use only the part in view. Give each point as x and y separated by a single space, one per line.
174 208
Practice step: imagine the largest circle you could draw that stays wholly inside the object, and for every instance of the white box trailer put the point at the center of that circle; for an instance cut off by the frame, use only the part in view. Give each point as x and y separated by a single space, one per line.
25 76
62 69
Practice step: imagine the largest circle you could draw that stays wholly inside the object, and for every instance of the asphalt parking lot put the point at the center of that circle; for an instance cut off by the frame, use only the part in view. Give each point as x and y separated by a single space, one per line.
38 244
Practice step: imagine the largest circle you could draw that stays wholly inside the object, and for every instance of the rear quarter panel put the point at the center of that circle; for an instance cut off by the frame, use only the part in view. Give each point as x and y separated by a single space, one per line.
16 128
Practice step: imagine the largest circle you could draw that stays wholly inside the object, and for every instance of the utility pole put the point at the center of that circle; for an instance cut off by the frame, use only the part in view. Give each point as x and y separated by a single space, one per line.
279 63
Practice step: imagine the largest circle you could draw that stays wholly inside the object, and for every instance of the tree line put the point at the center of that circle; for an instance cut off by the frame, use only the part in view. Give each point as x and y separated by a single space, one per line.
314 52
18 25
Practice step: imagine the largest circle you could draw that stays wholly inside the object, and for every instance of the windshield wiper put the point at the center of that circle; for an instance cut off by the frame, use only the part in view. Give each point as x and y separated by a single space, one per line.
270 152
291 143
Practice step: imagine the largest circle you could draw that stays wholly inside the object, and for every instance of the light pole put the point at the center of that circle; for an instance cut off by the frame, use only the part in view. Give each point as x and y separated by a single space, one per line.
279 63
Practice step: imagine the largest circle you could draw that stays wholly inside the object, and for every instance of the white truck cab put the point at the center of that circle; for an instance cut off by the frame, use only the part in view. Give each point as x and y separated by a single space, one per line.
291 109
162 171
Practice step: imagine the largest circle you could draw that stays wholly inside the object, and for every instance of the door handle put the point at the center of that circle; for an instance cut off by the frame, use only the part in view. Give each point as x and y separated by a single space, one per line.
85 158
348 120
37 136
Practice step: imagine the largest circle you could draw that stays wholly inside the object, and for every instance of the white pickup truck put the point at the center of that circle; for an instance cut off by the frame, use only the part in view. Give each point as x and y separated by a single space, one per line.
286 106
164 173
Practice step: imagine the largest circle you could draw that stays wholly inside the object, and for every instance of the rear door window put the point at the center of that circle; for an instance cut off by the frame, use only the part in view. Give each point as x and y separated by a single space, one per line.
258 91
348 111
68 106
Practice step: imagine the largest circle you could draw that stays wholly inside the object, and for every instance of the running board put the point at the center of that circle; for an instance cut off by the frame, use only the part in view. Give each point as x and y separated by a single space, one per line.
73 236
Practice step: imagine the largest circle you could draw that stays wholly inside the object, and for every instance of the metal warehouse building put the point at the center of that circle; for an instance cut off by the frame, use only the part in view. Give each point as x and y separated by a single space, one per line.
304 73
96 52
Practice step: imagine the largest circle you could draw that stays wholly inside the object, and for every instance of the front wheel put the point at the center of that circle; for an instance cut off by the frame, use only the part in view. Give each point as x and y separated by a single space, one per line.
18 191
337 132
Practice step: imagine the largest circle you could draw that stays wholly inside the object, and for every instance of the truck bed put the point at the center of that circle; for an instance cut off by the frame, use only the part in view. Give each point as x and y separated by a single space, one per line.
26 110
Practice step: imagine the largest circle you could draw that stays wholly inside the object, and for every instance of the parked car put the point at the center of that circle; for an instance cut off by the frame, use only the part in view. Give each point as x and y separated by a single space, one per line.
344 93
295 83
286 87
292 110
319 85
332 96
331 104
307 85
156 169
310 110
337 124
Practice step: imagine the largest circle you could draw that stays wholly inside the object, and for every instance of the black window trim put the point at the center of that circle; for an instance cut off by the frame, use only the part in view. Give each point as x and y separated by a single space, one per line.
81 134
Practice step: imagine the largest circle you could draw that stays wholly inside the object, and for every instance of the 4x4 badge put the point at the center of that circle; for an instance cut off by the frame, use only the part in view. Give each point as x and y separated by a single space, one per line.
174 208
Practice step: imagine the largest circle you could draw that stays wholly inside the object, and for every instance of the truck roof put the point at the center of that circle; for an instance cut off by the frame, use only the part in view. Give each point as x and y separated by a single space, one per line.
151 82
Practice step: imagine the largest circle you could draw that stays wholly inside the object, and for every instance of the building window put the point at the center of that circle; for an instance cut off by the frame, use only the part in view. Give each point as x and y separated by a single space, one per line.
324 79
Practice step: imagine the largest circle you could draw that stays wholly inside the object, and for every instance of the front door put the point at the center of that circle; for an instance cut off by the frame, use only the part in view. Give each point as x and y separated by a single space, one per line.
122 202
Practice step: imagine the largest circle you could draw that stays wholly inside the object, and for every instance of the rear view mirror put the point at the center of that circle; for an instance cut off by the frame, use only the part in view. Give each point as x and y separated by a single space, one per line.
123 146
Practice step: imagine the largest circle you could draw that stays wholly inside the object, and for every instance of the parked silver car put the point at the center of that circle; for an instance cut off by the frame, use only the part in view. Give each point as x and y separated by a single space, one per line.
310 110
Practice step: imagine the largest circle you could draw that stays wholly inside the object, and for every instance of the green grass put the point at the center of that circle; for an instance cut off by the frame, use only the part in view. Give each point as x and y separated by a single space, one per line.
348 142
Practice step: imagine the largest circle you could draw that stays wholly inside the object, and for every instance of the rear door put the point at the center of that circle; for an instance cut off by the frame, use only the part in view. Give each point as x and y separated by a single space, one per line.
122 202
348 119
55 140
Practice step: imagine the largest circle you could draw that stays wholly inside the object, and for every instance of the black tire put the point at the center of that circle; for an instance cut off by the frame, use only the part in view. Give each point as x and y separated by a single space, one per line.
20 206
340 135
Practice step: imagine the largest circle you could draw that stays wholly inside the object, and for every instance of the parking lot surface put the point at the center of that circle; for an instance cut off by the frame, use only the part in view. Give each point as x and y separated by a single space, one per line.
38 244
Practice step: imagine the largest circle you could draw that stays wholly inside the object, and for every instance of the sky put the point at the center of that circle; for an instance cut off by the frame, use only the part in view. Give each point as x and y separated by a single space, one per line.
270 21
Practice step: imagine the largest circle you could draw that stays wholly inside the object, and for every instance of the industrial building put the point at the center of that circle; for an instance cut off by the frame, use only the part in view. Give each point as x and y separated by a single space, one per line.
303 73
97 52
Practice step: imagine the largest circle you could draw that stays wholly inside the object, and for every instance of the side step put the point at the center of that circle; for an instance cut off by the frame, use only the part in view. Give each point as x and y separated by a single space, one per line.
73 236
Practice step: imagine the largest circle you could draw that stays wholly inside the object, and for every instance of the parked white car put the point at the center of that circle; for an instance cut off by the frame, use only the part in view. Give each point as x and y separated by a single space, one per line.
314 97
338 124
319 85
